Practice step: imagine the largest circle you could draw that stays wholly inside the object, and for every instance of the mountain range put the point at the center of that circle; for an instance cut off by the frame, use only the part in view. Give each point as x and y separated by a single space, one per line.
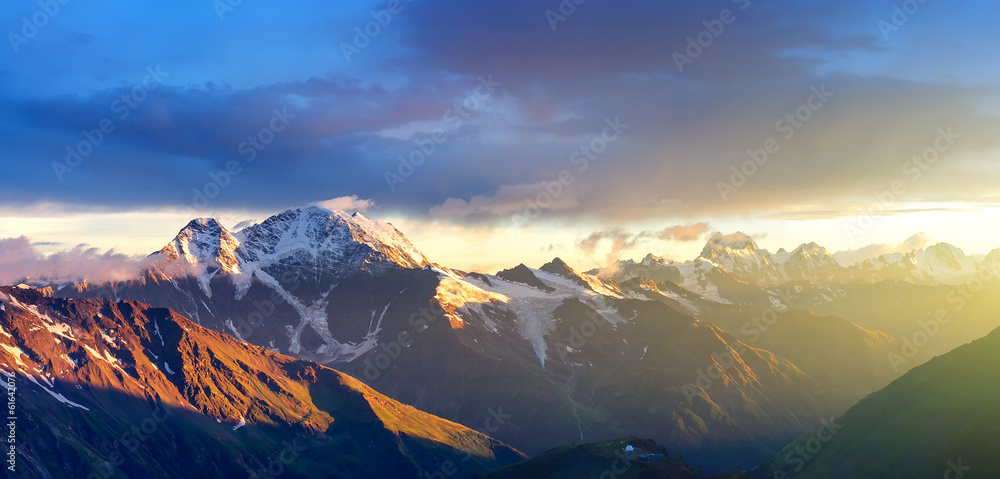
723 359
733 280
737 256
565 356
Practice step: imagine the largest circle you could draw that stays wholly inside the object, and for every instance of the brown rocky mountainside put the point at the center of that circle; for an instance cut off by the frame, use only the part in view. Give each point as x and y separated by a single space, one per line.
122 389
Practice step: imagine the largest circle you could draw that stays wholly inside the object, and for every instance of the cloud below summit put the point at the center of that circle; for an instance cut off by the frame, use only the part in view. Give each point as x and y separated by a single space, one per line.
346 203
20 259
850 257
691 232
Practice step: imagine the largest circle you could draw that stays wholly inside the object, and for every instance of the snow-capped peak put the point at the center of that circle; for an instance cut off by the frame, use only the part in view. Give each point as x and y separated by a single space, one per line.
809 261
311 239
992 260
812 253
738 254
651 258
203 246
729 243
938 263
317 234
946 253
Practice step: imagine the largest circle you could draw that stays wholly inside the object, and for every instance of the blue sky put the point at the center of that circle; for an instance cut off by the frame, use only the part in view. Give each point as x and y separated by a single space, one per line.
337 127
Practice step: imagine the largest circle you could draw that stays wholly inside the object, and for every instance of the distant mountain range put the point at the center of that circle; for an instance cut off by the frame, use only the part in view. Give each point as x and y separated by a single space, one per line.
723 359
734 281
737 256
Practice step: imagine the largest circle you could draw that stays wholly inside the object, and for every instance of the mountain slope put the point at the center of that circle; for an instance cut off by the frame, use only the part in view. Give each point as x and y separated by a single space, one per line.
574 364
939 415
135 390
832 350
905 310
646 459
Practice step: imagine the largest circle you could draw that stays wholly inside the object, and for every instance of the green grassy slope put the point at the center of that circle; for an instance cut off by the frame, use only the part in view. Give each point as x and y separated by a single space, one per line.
939 416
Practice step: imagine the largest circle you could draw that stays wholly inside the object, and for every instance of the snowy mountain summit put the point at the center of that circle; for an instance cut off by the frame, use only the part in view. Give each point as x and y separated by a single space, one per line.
203 246
310 240
738 254
312 233
274 282
939 263
731 265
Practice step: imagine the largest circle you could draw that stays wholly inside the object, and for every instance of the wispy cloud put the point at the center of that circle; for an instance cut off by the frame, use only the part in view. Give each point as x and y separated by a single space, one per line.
691 232
854 256
21 259
346 203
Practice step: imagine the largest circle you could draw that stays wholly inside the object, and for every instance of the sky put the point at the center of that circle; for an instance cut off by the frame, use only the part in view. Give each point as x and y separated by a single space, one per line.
496 132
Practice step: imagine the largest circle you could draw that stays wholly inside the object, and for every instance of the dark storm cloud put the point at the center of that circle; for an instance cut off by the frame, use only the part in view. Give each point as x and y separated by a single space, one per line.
688 130
174 137
687 126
